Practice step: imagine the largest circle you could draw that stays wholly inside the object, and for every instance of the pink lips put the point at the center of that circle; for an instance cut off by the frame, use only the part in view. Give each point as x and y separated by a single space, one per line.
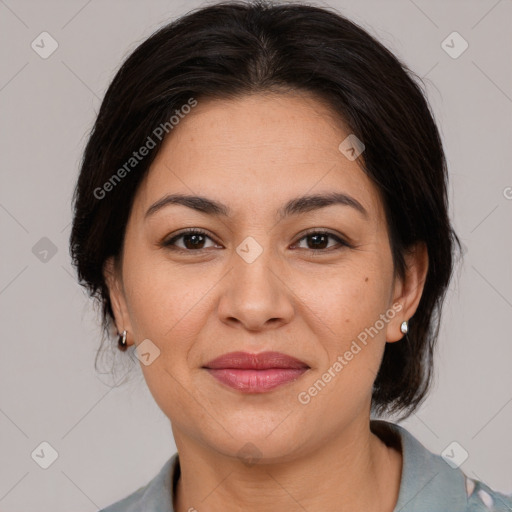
255 373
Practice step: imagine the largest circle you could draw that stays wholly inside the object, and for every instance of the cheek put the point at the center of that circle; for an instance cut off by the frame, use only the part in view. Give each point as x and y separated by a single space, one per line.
350 309
351 302
166 306
162 297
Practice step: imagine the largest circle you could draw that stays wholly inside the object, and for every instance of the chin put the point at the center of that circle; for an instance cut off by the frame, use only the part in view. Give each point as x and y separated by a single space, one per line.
261 451
269 442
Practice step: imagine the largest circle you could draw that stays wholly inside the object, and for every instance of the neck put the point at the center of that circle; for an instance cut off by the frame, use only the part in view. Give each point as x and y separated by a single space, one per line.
355 471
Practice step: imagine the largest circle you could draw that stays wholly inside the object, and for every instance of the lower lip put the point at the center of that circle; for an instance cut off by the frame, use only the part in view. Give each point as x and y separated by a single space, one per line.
256 381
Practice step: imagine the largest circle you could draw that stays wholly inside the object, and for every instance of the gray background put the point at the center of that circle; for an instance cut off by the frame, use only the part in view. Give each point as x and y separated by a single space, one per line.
111 440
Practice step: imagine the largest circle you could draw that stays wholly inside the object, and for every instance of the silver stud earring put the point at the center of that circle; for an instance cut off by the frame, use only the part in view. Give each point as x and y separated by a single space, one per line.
404 327
121 342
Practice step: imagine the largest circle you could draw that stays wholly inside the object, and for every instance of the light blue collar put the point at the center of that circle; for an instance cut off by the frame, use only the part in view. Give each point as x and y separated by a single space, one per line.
428 483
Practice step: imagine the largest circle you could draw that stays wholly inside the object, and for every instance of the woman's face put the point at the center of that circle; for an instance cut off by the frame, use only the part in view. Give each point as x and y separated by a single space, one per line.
260 279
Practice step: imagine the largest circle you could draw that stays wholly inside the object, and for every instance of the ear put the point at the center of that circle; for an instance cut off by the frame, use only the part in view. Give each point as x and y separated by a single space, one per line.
112 276
408 291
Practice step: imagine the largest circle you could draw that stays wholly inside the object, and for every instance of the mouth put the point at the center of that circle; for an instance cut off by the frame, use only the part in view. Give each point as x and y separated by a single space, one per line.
256 373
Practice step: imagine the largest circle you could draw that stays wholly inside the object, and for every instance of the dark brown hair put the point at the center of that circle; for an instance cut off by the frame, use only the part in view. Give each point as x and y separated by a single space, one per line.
230 49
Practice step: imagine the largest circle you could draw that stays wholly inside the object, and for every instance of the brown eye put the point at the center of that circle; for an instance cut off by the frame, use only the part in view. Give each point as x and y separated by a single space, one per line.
193 240
319 241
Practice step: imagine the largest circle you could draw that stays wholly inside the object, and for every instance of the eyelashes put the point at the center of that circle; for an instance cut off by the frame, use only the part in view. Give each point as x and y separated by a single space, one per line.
195 237
342 243
194 232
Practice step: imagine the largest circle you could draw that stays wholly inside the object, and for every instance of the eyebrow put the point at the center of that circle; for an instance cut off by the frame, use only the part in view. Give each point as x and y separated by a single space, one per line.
296 206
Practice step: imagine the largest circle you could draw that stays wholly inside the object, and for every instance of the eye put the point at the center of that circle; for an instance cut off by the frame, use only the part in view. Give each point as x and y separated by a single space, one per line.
193 240
319 240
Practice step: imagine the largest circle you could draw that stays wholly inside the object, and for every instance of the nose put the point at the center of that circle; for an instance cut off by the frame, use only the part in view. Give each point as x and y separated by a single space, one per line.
255 295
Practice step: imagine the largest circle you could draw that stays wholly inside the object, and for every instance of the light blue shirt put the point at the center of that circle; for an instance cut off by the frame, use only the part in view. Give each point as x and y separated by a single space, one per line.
428 483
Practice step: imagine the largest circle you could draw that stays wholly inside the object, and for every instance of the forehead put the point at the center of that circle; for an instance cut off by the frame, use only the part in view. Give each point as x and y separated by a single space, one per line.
258 151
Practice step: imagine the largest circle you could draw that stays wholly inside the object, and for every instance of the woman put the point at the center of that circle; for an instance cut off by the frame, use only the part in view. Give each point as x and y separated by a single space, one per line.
262 212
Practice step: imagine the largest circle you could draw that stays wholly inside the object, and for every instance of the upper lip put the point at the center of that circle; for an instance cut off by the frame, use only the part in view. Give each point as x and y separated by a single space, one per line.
261 361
